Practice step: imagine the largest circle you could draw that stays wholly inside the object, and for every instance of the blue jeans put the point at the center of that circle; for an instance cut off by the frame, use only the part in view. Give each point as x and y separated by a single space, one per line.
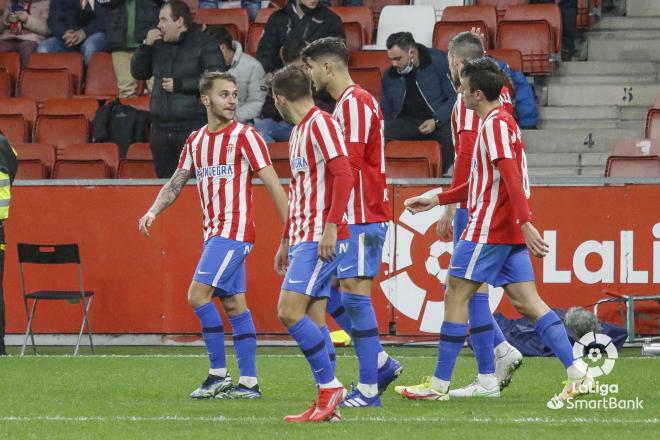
273 131
92 44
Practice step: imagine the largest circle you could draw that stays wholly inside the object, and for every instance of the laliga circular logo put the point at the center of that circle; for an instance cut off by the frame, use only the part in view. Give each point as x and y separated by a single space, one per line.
598 352
418 263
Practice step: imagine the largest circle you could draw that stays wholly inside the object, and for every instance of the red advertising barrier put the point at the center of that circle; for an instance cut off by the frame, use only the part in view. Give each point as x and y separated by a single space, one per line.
599 237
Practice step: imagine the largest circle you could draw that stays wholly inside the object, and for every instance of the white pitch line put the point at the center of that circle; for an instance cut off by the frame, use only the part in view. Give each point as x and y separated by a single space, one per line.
132 356
175 418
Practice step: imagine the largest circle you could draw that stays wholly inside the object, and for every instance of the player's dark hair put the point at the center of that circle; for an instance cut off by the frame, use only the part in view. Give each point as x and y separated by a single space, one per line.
484 75
404 40
292 49
328 47
467 46
292 82
221 35
207 80
178 9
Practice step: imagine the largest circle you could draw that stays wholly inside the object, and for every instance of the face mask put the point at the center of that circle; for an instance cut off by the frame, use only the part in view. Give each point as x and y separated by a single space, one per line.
411 65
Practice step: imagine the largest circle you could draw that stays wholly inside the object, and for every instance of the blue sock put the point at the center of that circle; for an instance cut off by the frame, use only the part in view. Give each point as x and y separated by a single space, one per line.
365 335
330 347
481 332
336 309
245 343
452 338
498 336
213 333
553 334
312 344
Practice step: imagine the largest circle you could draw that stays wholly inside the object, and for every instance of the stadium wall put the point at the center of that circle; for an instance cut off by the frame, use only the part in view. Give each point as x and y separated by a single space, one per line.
600 236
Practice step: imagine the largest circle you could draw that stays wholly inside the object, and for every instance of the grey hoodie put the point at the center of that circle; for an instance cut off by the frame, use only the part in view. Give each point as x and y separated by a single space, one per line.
251 89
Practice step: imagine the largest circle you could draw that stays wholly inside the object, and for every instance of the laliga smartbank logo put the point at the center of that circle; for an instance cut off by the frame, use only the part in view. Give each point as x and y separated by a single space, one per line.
599 354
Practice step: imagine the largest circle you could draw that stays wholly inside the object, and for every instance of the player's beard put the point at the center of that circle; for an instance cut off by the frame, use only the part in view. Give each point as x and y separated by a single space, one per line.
221 115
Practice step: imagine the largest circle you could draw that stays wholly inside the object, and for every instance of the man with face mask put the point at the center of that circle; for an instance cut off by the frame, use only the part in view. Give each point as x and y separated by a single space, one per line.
417 96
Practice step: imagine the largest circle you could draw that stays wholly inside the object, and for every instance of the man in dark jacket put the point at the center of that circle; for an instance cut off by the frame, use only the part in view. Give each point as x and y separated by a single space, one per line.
417 96
306 20
8 168
76 26
126 25
176 54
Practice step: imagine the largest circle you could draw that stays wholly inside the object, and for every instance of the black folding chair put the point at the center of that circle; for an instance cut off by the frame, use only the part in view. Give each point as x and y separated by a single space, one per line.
53 254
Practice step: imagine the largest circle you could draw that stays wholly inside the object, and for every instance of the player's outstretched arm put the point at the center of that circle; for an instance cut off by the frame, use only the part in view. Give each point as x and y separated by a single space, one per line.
420 204
269 177
445 228
535 243
167 195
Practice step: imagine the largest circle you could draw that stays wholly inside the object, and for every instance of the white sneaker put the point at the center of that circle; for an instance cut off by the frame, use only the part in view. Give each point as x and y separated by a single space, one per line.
506 365
577 388
476 389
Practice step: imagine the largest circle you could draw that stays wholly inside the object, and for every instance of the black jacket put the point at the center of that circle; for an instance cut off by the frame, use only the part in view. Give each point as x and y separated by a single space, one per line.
284 24
68 14
8 159
116 21
185 61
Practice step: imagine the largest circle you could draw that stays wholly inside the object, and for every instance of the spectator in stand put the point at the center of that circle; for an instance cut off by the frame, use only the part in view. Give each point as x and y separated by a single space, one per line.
126 25
271 126
248 73
76 25
417 95
305 20
175 53
23 26
569 13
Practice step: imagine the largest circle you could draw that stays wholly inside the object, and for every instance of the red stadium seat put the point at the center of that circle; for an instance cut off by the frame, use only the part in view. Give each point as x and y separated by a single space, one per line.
44 153
377 6
101 81
227 17
279 156
25 107
512 57
653 124
61 130
637 147
263 15
358 14
108 153
354 36
429 150
485 13
371 58
136 169
11 62
139 102
71 61
6 84
444 31
15 128
408 167
547 11
139 151
44 84
80 169
501 5
31 169
534 41
254 35
630 166
71 106
369 78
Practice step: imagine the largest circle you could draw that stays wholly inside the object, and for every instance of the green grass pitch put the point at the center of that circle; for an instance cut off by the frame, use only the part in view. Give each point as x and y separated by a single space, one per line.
142 393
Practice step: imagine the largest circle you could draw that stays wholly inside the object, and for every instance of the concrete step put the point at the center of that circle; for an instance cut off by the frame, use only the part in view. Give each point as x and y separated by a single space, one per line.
623 94
553 160
593 171
599 112
592 140
574 68
553 171
631 23
630 34
566 124
623 50
594 159
642 8
604 79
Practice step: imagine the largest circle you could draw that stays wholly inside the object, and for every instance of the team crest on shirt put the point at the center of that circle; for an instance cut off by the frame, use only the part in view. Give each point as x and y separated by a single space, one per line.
230 148
299 164
221 171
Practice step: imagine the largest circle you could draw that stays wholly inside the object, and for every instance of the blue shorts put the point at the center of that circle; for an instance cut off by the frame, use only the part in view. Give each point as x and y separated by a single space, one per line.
365 251
494 264
223 265
307 274
461 219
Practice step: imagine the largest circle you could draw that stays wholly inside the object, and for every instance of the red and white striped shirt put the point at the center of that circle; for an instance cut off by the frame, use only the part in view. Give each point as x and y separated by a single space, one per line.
464 119
223 163
492 216
361 119
315 141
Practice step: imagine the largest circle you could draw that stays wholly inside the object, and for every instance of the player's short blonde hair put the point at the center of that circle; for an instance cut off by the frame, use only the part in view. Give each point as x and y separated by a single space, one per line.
208 78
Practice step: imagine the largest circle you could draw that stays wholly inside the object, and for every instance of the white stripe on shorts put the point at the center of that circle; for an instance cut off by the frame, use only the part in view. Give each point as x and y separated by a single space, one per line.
223 266
473 260
315 275
361 254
